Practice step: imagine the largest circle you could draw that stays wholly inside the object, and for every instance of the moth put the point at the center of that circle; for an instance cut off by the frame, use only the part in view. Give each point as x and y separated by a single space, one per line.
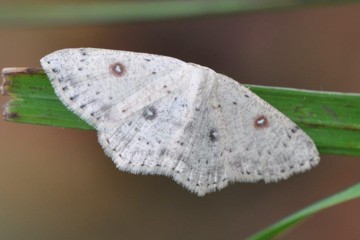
159 115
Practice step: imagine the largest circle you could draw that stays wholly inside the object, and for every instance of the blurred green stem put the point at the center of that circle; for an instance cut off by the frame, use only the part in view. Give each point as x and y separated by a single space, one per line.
116 12
289 222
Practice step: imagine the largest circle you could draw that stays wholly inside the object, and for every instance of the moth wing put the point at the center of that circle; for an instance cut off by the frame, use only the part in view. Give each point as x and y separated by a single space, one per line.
264 143
95 82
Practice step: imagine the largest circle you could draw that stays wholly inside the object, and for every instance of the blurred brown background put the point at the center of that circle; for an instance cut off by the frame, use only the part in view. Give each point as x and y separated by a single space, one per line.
58 184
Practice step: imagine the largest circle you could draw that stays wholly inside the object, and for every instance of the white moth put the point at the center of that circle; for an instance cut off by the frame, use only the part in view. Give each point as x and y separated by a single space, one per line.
159 115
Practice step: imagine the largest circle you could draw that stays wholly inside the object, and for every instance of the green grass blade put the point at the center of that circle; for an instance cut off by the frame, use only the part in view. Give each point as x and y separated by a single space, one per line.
331 119
289 222
114 12
33 100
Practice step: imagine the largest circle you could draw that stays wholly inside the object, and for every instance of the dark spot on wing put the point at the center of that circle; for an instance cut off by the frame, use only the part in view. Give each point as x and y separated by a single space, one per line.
216 107
149 113
261 122
73 97
85 104
295 129
162 152
213 135
117 69
83 51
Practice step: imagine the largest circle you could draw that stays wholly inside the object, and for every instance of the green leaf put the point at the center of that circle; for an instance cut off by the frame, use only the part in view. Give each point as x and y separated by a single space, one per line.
331 119
33 100
112 12
285 224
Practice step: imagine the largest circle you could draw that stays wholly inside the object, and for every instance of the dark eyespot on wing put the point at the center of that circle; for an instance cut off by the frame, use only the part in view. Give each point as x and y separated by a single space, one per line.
117 69
261 122
149 113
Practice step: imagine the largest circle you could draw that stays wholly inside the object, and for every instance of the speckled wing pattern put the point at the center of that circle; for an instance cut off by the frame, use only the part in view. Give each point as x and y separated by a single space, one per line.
159 115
